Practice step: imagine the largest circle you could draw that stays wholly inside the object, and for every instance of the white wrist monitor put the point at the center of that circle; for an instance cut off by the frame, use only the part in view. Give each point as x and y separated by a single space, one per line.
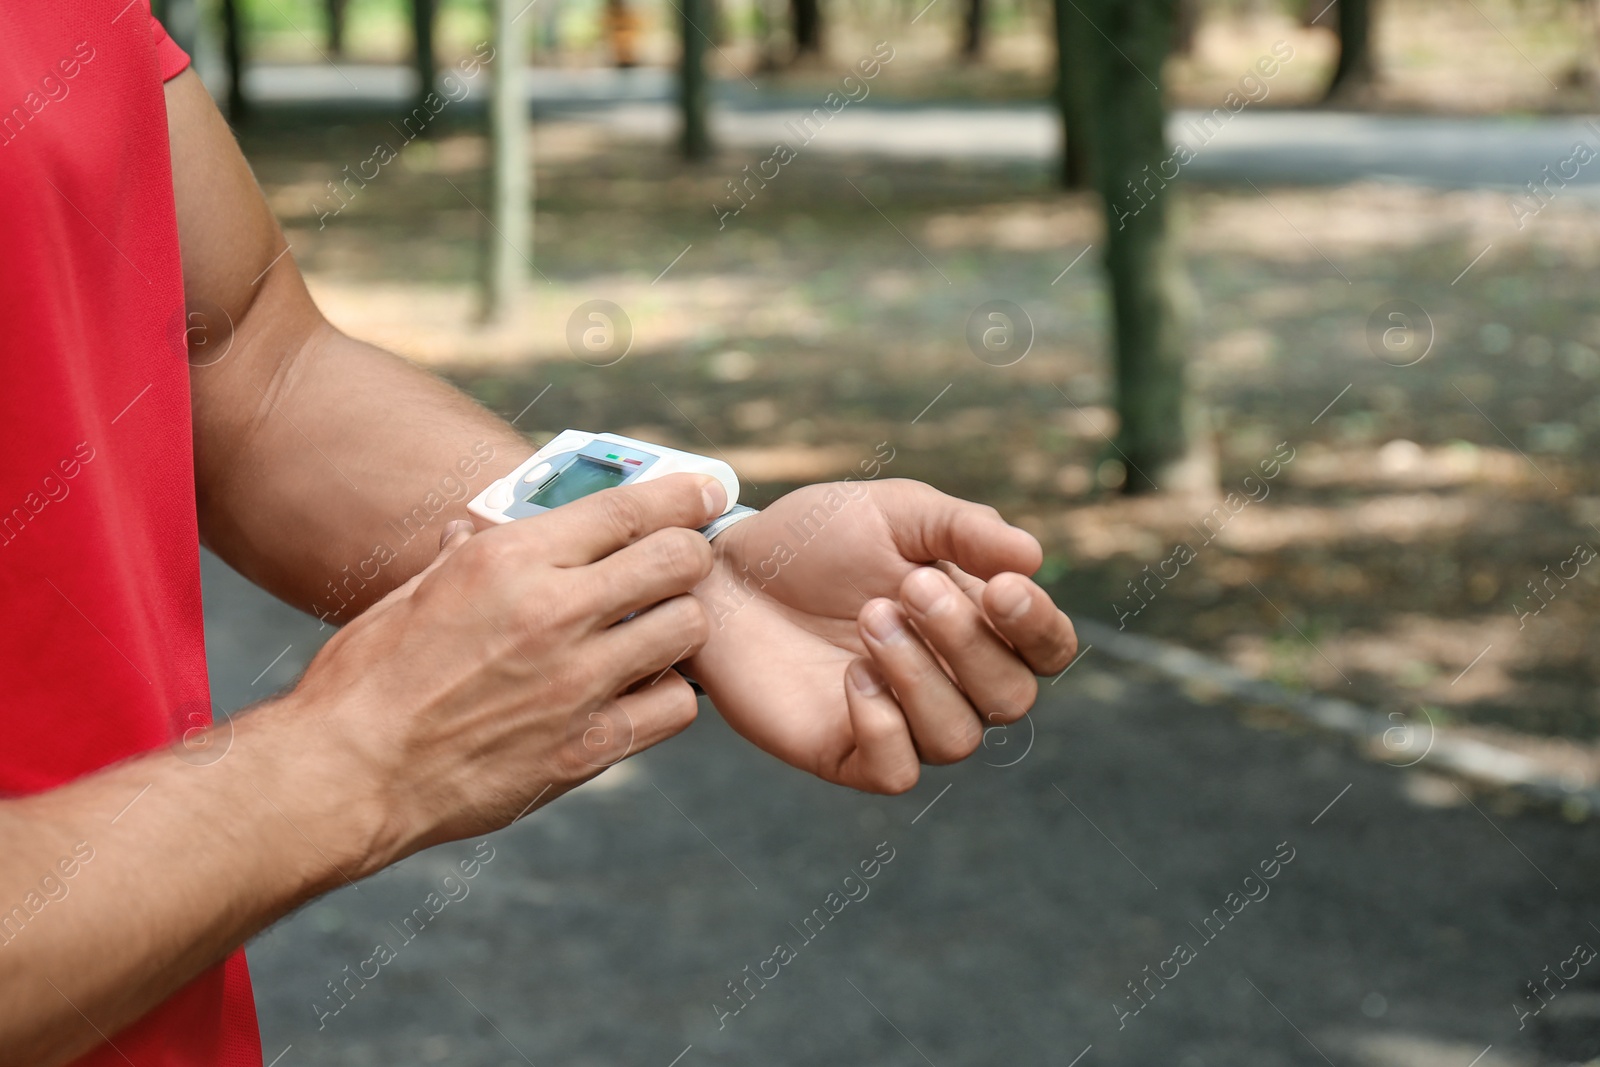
576 463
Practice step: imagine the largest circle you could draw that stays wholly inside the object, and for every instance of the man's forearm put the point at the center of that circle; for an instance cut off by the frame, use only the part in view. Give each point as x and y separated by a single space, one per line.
324 468
351 464
121 887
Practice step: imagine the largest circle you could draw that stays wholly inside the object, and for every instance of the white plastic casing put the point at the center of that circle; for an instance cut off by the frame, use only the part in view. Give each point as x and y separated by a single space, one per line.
507 499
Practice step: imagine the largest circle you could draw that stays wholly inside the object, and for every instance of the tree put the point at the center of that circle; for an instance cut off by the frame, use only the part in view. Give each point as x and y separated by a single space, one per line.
1074 56
1187 27
972 39
696 141
422 12
806 20
510 245
233 52
336 22
1356 70
1159 440
768 28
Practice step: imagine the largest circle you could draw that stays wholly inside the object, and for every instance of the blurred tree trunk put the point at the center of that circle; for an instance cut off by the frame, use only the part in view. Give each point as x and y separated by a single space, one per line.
692 80
510 245
1356 70
767 30
1073 57
806 16
233 52
336 12
972 41
1186 27
1158 440
422 12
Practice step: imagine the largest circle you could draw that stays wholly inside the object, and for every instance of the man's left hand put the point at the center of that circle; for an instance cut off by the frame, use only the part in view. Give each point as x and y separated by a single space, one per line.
861 629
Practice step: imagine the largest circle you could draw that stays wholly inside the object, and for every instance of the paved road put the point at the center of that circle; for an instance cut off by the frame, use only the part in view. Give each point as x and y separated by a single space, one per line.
1298 147
1018 903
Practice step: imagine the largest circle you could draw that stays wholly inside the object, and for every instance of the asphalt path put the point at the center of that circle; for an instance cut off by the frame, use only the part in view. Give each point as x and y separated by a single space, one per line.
1260 143
1024 891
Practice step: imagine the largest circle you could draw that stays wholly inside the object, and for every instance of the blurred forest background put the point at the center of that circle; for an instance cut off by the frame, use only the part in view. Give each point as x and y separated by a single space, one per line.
1403 557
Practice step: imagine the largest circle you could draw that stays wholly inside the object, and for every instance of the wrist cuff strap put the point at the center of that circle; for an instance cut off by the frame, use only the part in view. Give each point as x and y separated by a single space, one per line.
737 513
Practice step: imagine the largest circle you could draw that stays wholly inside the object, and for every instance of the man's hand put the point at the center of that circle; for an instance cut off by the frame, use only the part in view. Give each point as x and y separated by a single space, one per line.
860 629
324 469
522 662
495 680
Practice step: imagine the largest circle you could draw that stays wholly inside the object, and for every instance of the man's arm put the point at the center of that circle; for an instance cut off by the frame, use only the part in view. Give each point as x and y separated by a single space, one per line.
103 920
464 698
446 709
318 459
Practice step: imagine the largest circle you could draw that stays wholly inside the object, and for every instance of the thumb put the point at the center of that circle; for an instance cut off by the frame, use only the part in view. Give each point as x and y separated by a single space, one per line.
928 525
456 532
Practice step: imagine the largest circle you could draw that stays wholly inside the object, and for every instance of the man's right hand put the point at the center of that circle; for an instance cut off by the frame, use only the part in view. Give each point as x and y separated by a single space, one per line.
503 675
494 680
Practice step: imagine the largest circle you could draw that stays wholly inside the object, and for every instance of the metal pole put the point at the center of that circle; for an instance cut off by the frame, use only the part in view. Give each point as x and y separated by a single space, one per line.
511 178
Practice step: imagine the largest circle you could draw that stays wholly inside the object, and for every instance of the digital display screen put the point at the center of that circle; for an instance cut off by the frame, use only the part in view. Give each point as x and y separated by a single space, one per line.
577 480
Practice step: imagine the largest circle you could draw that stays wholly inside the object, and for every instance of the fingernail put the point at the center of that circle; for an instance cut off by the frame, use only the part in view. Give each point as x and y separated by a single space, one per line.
715 497
927 591
862 678
1012 601
883 623
453 527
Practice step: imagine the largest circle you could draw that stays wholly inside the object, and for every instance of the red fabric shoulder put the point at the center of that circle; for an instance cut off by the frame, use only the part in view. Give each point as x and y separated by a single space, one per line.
173 60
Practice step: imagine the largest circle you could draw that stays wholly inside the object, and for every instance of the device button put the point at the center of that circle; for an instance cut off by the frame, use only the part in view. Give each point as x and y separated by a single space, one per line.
536 474
499 497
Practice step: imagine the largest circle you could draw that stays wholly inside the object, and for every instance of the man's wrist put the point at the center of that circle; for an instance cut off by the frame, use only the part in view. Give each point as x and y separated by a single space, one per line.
321 779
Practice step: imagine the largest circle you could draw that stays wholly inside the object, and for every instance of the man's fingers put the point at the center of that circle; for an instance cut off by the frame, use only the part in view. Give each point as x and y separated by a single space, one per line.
650 642
1027 617
595 526
606 735
884 759
635 721
1041 632
661 565
997 682
929 525
943 725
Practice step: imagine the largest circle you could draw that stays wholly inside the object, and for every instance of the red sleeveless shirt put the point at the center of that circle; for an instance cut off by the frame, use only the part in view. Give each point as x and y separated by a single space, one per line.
102 654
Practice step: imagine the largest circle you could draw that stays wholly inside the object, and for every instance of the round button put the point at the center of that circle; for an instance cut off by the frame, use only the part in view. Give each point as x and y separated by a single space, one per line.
536 474
499 497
